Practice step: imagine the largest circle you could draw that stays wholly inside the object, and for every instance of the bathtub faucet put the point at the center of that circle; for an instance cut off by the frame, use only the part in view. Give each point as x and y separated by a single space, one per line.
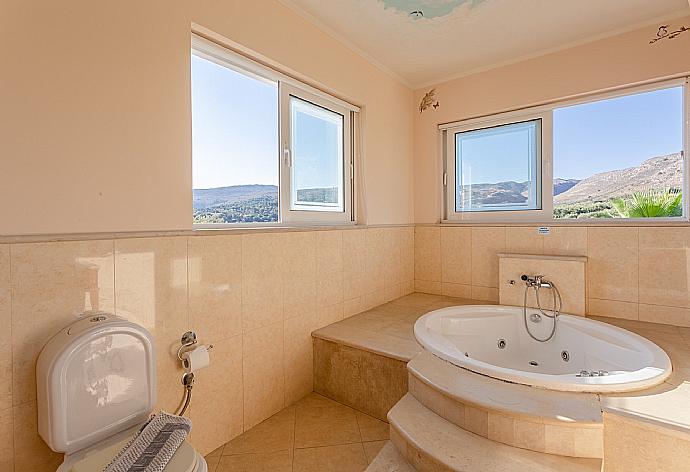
535 281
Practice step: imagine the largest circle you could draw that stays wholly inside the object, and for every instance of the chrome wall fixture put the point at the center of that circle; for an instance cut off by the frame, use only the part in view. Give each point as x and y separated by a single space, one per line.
664 33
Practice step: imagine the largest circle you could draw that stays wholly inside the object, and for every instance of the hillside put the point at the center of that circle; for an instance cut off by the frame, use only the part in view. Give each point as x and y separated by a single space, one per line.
208 197
662 172
512 192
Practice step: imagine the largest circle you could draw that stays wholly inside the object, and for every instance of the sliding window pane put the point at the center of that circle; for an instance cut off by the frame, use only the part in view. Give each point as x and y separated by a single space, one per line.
497 168
235 145
317 157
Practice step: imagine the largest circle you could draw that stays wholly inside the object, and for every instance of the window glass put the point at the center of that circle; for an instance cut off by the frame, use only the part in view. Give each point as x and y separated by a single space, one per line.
620 158
235 145
317 157
497 168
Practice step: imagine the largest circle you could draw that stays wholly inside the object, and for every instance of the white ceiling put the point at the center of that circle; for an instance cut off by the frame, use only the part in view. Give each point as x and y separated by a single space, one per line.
457 37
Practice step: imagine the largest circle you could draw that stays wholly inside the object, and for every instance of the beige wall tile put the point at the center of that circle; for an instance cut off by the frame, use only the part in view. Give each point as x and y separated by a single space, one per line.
665 251
329 267
487 242
485 294
407 253
5 327
216 409
529 435
262 367
524 240
298 361
456 290
262 261
425 286
30 452
6 439
566 241
354 255
456 255
501 428
353 306
299 274
326 315
374 261
215 286
427 253
392 269
612 265
52 284
559 440
670 315
612 309
151 290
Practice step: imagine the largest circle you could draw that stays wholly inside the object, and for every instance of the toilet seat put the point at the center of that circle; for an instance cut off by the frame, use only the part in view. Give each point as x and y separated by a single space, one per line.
97 457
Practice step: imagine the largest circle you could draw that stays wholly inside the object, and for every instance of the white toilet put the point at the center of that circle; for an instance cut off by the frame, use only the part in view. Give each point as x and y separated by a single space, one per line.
96 385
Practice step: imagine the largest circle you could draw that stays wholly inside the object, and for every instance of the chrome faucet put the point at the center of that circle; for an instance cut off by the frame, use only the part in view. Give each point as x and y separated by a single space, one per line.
535 281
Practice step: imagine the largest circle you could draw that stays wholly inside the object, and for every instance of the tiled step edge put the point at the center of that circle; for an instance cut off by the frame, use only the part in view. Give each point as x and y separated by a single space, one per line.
430 443
389 459
563 423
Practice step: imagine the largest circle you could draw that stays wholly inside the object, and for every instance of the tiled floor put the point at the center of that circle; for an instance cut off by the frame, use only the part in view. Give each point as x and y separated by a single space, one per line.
315 434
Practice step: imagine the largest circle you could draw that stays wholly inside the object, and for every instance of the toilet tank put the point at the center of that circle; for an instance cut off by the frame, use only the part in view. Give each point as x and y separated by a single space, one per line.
95 378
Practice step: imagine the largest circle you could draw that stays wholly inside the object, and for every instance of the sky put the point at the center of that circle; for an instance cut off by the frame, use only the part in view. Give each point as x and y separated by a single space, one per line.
587 139
235 132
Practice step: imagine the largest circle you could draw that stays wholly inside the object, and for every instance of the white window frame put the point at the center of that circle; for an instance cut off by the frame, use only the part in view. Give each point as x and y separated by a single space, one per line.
288 86
545 113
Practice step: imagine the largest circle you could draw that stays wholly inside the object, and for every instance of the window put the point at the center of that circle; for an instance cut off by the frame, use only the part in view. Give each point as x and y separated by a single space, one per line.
267 149
617 156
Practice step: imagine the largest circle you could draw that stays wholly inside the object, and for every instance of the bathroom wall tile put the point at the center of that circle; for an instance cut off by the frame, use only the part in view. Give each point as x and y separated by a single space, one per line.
665 251
456 255
456 290
374 261
299 274
566 241
326 315
589 442
262 279
216 409
298 359
373 299
485 294
215 286
354 255
424 286
151 290
669 315
262 367
6 439
407 253
30 452
559 440
329 267
52 284
5 327
427 253
612 265
392 269
612 309
353 306
524 240
487 242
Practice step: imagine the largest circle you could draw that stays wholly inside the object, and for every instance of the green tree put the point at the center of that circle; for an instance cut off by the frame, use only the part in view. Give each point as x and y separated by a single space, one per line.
650 204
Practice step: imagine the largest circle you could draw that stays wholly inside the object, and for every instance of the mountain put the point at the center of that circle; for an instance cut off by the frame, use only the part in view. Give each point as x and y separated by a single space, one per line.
208 197
662 172
563 185
511 192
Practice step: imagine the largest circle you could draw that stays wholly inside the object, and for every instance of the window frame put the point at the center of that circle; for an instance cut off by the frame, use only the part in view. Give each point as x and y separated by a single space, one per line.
447 133
289 86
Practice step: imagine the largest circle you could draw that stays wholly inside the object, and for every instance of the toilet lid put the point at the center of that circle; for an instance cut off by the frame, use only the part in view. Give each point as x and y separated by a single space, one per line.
185 458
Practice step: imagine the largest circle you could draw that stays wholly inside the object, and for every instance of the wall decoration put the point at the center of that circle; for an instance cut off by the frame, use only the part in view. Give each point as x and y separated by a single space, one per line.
664 33
429 100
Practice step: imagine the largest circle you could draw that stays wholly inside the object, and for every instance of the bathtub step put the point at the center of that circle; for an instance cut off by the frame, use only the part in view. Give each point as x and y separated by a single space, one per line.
563 423
430 443
389 459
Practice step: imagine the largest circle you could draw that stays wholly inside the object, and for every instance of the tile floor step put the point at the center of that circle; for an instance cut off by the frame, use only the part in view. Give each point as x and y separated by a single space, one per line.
430 443
563 423
389 460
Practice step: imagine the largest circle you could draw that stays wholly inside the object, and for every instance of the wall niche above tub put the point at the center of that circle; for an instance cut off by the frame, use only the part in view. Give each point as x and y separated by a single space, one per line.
568 273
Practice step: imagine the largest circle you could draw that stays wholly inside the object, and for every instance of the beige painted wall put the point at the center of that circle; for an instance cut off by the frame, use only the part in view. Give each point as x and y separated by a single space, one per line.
95 117
257 297
616 61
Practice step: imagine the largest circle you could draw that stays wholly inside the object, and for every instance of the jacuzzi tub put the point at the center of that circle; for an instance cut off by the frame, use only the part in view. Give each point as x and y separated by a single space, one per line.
615 360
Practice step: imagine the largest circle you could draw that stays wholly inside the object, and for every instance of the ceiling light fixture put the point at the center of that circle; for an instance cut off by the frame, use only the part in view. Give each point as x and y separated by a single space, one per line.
417 14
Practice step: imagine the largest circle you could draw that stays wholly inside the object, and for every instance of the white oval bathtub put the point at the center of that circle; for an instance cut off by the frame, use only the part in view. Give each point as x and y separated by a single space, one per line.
616 360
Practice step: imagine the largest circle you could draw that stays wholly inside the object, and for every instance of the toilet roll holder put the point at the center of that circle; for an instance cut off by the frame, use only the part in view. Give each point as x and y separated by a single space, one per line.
186 342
